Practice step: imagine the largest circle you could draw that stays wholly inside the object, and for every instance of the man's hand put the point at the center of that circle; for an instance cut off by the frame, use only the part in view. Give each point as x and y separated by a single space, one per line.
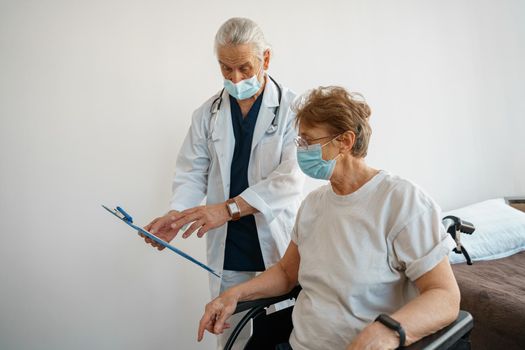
161 227
375 336
216 313
204 218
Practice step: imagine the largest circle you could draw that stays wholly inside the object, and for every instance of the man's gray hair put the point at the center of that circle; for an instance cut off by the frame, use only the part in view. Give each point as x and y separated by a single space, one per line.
239 31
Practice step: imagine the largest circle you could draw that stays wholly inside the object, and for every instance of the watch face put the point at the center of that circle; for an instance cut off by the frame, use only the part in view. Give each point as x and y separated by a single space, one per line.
233 208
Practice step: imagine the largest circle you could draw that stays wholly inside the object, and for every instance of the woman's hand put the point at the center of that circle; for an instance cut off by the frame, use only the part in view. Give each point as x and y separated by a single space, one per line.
375 336
216 313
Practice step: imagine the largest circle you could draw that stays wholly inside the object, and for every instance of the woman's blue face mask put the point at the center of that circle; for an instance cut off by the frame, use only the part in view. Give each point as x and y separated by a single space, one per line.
311 162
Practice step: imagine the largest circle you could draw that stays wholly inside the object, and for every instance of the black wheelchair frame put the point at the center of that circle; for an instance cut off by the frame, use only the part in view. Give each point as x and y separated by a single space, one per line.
272 329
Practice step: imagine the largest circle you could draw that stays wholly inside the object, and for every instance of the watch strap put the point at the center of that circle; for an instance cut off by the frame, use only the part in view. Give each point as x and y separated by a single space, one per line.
394 325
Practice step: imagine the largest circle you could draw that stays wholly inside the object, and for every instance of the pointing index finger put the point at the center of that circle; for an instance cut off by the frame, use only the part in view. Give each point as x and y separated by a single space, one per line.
204 322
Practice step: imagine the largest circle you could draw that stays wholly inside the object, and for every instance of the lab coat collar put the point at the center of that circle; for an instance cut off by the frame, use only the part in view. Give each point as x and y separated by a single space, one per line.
224 141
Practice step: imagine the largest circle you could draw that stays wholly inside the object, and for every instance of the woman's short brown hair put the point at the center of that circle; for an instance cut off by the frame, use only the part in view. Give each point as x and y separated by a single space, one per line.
338 110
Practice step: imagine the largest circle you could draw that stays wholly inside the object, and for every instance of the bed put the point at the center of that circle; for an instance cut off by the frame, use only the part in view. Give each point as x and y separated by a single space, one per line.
493 287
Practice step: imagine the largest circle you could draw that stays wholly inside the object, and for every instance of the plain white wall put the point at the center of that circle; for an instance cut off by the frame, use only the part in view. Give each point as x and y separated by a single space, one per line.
96 97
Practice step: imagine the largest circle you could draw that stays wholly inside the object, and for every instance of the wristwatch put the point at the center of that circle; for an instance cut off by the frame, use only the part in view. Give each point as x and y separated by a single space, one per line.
394 325
233 208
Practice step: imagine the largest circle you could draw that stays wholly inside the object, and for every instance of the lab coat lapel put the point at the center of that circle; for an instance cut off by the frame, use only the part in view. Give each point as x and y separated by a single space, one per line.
224 142
266 113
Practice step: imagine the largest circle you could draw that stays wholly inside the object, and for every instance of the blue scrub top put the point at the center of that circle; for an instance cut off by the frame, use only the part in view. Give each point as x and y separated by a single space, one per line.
242 251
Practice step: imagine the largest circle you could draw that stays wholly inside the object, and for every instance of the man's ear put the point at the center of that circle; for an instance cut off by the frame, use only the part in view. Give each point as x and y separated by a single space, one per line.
266 59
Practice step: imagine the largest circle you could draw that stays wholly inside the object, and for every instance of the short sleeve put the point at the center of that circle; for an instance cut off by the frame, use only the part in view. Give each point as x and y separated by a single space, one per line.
422 243
294 236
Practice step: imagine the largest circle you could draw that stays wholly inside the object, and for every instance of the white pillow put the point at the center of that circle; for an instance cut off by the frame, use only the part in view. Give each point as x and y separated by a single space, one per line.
500 230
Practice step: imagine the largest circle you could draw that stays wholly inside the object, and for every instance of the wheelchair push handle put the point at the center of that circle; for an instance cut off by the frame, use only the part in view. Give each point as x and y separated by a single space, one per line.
455 227
454 223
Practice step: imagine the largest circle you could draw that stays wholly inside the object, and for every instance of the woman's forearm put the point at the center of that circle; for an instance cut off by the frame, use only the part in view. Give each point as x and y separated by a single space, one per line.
270 283
435 307
428 313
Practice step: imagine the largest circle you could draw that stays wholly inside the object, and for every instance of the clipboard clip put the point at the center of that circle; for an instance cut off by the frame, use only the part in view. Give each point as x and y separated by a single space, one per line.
121 213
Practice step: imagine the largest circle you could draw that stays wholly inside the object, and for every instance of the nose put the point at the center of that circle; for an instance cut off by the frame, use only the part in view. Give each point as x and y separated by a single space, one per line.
236 76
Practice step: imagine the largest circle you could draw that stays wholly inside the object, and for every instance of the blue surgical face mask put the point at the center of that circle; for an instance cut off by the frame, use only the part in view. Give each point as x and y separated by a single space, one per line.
245 88
311 162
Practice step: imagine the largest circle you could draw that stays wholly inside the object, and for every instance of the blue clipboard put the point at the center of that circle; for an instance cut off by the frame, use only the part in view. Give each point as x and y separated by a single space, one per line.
125 217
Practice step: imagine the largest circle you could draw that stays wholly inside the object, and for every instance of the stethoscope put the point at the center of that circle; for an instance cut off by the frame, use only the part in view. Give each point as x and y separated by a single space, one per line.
216 106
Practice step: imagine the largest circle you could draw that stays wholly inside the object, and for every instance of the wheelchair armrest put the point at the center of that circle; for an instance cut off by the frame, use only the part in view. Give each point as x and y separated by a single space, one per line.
448 336
247 305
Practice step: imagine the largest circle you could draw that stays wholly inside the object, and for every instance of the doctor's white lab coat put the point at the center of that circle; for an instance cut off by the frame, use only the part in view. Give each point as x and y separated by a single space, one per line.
274 178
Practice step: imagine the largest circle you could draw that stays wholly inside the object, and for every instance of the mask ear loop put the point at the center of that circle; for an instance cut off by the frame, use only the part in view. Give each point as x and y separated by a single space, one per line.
339 154
261 70
335 138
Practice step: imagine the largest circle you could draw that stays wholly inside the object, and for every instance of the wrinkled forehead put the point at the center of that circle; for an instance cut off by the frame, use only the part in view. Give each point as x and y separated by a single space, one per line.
237 55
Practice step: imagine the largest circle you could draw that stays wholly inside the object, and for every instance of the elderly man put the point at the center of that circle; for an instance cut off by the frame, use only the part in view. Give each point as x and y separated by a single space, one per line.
239 153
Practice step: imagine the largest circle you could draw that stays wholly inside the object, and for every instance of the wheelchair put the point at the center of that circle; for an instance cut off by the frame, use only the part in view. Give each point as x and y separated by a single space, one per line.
270 330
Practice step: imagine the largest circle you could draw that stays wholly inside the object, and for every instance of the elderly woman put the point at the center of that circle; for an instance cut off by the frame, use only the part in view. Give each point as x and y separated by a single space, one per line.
368 248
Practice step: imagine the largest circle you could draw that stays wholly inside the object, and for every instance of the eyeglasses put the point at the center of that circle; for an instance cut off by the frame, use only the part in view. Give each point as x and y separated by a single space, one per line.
303 143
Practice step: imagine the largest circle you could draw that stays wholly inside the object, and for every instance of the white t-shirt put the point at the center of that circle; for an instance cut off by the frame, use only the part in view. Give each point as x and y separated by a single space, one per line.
360 255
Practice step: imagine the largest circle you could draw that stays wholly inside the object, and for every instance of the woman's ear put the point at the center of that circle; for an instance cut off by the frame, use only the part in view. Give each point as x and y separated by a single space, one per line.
347 141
